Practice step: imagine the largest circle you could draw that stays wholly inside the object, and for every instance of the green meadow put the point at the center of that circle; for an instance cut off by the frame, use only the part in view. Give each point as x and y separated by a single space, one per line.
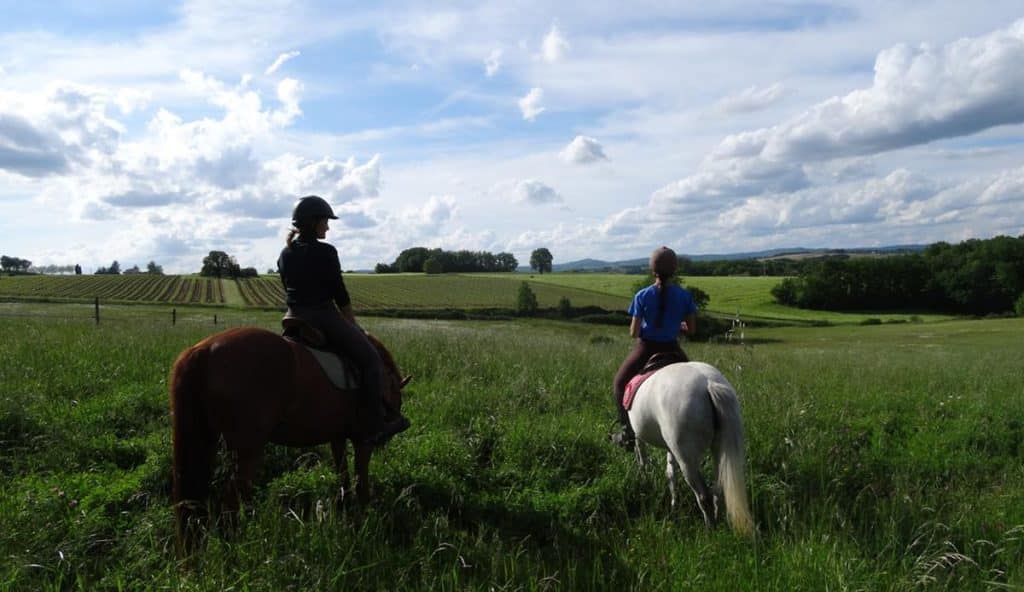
884 457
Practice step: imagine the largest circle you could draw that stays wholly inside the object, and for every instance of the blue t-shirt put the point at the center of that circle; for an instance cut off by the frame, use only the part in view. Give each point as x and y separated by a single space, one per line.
679 304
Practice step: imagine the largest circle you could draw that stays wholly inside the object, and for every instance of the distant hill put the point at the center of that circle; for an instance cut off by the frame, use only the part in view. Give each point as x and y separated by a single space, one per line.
793 252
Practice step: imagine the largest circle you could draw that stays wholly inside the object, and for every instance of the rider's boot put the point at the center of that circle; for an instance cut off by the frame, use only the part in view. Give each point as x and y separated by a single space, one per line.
627 437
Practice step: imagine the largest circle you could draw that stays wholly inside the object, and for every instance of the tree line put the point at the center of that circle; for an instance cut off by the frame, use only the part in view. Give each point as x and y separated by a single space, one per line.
422 259
972 277
14 264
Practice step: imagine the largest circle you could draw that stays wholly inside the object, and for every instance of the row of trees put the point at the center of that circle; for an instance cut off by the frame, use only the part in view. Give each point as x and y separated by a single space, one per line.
14 264
115 269
422 259
972 277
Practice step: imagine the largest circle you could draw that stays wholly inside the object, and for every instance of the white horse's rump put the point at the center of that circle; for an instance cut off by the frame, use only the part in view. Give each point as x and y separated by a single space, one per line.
687 408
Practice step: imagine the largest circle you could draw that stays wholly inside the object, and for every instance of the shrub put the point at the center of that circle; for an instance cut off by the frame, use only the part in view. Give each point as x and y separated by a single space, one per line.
871 321
565 307
526 301
1018 307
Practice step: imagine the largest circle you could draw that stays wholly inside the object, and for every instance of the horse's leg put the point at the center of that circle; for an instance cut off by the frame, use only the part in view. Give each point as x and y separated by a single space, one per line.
670 472
689 461
239 491
640 458
340 452
363 451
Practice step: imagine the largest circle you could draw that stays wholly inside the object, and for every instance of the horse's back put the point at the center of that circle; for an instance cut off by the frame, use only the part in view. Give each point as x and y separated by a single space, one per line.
675 400
249 375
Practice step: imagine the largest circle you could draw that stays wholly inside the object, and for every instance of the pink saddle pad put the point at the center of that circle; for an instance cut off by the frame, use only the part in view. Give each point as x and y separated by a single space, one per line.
633 386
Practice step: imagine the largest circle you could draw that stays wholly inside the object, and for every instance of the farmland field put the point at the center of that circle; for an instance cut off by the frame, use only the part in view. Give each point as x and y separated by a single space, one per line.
880 457
170 289
749 297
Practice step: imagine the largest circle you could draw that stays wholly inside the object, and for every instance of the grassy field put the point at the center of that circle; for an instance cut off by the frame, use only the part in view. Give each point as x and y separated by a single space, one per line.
880 458
748 297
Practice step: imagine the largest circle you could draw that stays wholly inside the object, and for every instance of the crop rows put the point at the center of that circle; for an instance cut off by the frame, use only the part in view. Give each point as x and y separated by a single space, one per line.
261 292
116 288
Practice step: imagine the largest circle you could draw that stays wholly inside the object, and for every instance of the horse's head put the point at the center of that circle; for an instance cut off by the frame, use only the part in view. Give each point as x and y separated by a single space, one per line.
392 380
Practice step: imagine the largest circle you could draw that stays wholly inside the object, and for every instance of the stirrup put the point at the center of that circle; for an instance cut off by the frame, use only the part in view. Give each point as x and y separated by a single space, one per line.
625 439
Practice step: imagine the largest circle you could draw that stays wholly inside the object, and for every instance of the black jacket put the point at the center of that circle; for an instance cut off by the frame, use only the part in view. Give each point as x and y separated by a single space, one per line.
311 274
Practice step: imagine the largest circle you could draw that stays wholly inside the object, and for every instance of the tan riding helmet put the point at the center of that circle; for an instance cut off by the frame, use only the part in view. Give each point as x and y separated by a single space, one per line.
664 262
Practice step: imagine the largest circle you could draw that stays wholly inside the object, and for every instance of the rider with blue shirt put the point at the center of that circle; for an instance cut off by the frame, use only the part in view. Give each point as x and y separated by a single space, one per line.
661 313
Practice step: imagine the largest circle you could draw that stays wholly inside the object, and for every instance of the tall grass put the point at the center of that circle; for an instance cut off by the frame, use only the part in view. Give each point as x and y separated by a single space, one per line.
884 457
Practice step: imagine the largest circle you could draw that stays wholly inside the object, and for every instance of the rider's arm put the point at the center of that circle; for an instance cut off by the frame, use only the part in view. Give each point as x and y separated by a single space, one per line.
634 327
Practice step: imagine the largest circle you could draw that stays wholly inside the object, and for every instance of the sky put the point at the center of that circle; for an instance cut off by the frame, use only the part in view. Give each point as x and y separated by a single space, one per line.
153 131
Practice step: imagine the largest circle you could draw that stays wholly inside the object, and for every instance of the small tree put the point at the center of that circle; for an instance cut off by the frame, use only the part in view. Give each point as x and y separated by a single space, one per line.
154 269
540 260
565 307
220 264
700 297
526 301
432 266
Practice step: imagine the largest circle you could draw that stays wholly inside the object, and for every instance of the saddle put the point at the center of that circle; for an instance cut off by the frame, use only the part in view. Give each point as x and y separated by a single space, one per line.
654 363
339 370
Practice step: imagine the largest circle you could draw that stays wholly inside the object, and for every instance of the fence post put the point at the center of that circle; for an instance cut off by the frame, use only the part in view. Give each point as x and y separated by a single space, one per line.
214 319
174 316
97 309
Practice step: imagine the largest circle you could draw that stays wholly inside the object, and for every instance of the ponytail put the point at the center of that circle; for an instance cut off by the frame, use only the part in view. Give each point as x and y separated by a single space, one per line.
662 286
291 236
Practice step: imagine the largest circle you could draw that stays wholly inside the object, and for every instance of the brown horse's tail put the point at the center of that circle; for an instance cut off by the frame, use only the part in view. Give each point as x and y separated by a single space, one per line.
194 443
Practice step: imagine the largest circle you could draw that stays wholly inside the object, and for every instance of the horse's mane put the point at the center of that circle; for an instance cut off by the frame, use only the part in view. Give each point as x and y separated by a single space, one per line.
385 355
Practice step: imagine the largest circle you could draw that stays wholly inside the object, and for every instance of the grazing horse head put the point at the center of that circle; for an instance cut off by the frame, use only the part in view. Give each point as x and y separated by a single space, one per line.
393 382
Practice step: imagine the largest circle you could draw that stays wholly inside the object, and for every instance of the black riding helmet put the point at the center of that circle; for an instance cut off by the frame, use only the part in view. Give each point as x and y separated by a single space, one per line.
311 208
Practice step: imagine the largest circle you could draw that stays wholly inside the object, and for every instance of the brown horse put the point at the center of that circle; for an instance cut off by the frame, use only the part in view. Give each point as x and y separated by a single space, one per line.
250 386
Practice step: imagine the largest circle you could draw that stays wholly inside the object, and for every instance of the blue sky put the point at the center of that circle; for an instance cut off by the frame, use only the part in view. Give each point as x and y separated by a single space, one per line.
155 131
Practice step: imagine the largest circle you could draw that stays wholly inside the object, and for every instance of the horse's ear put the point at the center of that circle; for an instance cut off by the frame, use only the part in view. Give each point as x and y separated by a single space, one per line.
405 381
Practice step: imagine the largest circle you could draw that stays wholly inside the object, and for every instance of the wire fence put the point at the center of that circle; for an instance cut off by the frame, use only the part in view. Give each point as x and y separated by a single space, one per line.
98 313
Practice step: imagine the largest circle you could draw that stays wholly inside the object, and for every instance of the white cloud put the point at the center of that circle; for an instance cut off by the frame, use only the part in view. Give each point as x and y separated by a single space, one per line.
554 46
583 150
288 91
416 223
527 191
493 62
752 98
281 59
917 96
530 104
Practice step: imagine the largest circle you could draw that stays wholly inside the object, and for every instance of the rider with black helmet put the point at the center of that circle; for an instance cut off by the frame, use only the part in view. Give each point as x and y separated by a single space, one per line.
315 292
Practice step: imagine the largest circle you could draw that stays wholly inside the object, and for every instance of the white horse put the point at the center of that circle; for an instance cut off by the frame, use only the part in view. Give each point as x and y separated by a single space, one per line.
687 408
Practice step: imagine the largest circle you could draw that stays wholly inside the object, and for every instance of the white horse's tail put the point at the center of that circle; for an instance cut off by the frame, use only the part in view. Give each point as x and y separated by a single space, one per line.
730 457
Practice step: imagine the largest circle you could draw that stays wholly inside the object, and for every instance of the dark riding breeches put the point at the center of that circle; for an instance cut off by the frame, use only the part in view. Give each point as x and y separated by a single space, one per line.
347 339
632 365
